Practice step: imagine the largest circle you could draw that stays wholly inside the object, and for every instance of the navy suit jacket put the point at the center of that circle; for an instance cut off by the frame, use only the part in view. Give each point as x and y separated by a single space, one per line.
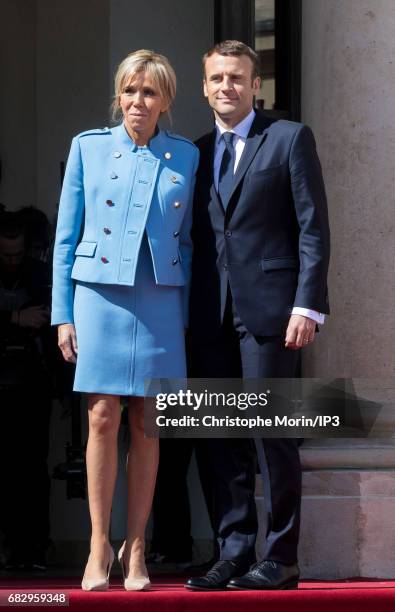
270 241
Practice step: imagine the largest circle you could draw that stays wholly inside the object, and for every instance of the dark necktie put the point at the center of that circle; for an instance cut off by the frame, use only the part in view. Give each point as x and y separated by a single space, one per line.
225 181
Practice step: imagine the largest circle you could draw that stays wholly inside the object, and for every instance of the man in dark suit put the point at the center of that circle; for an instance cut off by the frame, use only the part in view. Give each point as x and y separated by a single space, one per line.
261 254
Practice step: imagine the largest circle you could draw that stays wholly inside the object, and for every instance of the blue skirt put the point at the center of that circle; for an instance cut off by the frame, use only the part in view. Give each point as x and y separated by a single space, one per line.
128 335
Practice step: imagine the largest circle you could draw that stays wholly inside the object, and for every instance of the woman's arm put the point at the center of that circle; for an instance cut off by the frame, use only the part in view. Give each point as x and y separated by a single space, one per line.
69 226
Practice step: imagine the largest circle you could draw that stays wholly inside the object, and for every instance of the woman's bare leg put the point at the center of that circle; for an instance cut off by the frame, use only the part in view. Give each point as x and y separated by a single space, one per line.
142 467
101 463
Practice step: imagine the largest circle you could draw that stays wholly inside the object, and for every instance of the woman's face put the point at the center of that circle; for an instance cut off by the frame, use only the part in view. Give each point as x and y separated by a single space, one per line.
141 105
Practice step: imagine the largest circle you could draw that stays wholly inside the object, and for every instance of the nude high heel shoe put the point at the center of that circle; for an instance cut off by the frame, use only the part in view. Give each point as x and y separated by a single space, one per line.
138 583
99 584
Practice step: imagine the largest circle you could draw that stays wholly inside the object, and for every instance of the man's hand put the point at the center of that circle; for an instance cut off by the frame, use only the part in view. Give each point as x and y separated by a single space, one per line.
300 332
34 316
67 342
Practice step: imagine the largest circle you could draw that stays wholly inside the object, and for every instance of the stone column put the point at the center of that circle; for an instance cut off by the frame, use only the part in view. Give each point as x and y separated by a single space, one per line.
348 92
348 89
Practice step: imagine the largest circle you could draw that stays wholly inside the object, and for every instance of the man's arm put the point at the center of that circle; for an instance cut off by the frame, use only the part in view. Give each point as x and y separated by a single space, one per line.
311 300
318 317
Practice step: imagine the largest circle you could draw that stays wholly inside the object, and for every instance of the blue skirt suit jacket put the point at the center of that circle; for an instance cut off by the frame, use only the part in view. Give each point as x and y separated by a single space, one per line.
123 208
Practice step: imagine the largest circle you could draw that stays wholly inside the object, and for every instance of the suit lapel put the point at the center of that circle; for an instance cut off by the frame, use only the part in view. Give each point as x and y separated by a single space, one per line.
255 139
208 156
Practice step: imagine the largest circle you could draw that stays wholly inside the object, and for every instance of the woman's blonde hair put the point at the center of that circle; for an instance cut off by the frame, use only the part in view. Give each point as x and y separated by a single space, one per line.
156 65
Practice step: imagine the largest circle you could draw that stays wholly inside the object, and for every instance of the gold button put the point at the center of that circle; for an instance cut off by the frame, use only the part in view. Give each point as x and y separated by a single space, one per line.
177 204
168 155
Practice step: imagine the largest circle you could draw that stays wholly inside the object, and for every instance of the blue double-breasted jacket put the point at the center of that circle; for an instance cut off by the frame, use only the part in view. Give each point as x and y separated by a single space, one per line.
113 192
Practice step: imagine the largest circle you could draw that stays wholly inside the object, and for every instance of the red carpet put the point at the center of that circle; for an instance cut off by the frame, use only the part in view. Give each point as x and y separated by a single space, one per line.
168 595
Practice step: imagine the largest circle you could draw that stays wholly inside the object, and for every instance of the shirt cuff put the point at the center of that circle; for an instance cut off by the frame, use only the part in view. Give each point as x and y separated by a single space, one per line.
318 317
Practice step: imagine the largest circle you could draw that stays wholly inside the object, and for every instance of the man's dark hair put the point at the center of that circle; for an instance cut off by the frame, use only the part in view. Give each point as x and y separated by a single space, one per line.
234 48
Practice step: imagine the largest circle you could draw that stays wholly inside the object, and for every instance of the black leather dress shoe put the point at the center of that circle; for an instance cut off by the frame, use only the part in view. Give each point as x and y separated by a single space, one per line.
217 577
268 575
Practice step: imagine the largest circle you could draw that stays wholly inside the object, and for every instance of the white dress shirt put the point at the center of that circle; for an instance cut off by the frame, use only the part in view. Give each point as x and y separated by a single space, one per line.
241 130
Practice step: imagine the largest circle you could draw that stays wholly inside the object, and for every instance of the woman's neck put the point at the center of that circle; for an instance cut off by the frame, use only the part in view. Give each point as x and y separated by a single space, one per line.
141 139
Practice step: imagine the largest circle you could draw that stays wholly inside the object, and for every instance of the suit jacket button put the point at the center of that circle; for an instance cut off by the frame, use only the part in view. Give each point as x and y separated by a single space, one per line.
113 175
225 267
106 230
109 203
228 233
174 262
176 234
177 204
104 259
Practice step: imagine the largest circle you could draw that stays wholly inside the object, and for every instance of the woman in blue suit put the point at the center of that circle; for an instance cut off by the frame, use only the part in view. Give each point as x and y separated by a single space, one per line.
120 290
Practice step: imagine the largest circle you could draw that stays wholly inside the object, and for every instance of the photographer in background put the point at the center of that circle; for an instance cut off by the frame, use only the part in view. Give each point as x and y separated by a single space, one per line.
25 397
38 232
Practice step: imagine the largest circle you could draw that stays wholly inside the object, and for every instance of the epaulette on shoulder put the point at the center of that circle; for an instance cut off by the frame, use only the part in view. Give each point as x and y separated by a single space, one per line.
104 130
178 137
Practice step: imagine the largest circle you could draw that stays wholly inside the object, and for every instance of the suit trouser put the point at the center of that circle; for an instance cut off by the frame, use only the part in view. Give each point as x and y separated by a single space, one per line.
235 352
171 534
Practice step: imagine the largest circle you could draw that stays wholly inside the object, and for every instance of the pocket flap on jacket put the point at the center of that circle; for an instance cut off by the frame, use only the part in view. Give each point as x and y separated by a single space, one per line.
278 263
87 249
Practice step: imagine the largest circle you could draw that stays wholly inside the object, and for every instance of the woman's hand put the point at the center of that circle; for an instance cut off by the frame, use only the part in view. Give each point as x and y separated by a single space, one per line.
67 342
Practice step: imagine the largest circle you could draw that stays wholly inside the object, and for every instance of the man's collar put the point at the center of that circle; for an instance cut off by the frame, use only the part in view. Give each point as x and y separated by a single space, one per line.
241 129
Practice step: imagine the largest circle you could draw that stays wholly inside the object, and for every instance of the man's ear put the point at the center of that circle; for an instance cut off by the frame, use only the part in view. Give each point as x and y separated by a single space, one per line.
256 85
205 88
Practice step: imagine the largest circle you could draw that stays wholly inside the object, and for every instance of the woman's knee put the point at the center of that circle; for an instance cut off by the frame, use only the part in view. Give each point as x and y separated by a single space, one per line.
104 416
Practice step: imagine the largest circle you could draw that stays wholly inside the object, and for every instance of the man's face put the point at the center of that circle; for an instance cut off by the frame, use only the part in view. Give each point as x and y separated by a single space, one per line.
229 87
12 251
